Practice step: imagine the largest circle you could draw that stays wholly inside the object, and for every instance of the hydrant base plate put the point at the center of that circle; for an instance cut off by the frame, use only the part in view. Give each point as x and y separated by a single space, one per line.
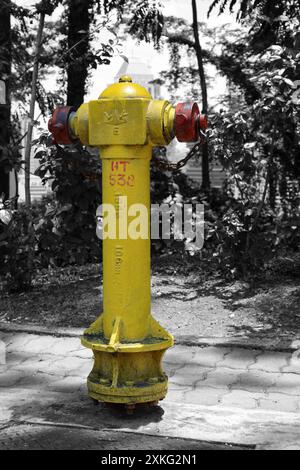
131 394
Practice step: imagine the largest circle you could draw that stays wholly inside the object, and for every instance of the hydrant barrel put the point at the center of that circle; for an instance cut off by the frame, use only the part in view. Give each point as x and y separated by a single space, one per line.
126 261
125 123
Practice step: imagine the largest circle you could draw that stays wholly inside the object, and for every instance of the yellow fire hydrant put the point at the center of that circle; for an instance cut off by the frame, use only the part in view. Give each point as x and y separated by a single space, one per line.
125 123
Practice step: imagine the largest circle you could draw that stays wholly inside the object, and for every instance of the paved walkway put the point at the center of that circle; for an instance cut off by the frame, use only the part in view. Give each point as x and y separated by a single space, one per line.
227 395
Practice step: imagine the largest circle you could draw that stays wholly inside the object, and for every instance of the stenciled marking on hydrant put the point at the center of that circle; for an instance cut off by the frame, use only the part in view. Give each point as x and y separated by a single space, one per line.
119 175
118 259
125 123
118 262
116 204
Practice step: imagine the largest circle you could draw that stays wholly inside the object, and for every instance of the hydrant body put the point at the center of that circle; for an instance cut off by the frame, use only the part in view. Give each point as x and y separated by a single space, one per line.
127 342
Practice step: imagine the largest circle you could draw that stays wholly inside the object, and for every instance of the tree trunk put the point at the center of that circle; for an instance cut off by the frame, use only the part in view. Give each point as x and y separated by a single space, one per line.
32 108
199 55
5 74
272 183
30 253
78 46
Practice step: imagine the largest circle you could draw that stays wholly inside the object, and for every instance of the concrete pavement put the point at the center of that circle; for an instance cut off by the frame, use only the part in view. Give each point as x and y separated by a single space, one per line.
218 396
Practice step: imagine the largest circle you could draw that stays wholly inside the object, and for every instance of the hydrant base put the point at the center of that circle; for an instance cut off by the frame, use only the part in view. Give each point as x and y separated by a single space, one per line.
127 372
112 395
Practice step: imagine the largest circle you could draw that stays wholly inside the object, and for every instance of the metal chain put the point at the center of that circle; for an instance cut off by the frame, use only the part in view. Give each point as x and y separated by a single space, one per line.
163 165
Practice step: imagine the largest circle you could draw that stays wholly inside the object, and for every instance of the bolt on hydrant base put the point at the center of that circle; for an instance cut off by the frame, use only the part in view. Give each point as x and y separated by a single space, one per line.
125 123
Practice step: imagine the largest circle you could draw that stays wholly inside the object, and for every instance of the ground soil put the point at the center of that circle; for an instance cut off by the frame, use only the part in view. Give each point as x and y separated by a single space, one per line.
185 301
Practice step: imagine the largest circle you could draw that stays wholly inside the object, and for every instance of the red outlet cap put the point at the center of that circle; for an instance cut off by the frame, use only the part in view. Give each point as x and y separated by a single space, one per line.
189 122
58 125
186 122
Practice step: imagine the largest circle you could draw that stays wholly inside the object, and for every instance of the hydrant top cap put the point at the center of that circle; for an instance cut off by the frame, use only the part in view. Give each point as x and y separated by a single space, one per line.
125 78
125 89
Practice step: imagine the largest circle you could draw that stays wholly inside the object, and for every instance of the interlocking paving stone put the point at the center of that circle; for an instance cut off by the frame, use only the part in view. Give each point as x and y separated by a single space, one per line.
279 402
38 344
84 353
65 346
67 366
36 379
287 383
293 364
35 363
219 378
19 341
271 361
189 374
10 378
240 358
210 356
177 395
67 384
204 396
179 355
241 399
256 381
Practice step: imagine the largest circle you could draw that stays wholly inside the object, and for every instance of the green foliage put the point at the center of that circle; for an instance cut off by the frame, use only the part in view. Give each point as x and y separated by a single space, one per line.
66 232
87 51
259 147
268 19
64 223
147 21
14 243
255 136
10 153
174 189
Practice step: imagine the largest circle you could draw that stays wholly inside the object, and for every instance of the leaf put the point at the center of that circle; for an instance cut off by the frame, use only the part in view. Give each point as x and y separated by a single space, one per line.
38 155
276 49
249 145
5 216
289 82
124 58
65 208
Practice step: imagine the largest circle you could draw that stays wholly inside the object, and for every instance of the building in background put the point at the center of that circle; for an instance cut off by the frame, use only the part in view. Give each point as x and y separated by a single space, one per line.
141 73
37 188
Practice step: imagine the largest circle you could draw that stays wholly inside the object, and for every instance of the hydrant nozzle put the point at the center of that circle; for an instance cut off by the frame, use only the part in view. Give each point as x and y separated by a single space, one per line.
125 123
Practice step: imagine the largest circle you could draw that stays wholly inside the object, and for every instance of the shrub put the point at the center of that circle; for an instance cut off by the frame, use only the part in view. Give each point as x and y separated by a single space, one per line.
66 231
14 243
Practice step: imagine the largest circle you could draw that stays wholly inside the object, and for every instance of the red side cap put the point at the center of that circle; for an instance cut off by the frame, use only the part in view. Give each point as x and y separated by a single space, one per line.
58 125
186 122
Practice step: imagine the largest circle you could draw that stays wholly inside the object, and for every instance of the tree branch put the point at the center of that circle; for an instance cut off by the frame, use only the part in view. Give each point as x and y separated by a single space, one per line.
226 64
179 39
